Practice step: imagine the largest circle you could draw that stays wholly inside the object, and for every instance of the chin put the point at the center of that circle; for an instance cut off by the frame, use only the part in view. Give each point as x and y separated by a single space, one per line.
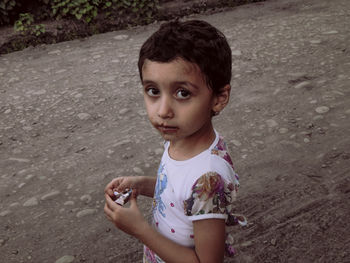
168 137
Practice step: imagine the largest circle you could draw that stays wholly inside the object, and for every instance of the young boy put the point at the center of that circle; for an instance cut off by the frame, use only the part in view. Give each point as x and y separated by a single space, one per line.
185 69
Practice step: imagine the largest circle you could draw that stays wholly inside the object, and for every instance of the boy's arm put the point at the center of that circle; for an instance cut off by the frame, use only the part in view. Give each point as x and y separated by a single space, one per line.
147 185
210 235
209 243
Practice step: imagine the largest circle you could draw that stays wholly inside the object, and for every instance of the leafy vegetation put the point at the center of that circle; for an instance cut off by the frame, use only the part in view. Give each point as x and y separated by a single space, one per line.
24 25
142 10
82 18
84 11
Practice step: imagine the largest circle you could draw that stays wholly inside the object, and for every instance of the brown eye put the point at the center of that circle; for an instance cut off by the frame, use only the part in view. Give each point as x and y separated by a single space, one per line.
183 94
153 92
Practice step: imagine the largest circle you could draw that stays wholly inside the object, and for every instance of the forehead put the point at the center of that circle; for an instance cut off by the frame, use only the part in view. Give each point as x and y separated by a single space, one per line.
177 67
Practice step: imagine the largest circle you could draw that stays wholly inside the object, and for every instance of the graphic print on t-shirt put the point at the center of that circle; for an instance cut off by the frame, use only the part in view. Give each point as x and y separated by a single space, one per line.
161 184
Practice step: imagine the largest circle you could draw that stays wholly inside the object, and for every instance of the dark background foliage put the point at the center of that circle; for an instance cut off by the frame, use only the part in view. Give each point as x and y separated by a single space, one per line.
84 10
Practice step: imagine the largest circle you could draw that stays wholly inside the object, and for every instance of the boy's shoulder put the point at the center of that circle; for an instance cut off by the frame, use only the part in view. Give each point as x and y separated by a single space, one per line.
217 160
220 150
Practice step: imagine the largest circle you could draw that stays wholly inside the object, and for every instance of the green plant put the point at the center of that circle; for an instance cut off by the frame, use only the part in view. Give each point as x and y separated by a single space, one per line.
133 11
24 22
24 25
37 30
80 9
141 10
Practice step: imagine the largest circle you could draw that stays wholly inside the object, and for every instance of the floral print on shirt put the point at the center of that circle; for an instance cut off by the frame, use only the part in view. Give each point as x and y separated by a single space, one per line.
211 194
220 149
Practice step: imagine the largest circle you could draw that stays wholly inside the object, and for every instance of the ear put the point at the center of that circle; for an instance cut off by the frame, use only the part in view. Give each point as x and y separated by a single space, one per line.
221 99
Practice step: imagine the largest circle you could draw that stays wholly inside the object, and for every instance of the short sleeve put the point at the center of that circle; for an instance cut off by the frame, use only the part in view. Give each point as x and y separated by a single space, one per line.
211 197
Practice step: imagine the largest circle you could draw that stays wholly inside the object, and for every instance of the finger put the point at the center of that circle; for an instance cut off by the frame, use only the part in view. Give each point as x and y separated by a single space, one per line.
107 212
107 209
108 186
110 203
122 186
119 184
109 192
109 200
112 184
113 206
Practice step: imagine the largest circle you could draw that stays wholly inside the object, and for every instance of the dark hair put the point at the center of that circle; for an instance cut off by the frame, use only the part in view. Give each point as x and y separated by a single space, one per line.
194 41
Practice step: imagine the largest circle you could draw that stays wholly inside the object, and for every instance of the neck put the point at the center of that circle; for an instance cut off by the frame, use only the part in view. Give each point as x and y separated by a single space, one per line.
193 145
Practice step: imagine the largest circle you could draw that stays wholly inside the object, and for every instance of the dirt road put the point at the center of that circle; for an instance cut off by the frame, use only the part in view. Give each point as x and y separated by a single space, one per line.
72 118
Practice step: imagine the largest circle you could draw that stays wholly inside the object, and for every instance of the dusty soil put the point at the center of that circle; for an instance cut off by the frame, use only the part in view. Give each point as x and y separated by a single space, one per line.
72 118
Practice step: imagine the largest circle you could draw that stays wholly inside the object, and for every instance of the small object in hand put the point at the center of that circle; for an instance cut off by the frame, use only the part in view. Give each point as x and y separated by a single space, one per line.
122 198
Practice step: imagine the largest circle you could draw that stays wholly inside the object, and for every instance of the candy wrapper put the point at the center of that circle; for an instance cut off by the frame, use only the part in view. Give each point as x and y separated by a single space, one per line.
122 198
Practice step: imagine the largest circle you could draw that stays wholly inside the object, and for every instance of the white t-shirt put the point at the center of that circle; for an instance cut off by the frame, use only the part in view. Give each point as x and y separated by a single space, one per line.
199 188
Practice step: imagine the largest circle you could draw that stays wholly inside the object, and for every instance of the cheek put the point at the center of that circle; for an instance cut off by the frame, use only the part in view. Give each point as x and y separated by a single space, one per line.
197 113
149 108
146 102
201 107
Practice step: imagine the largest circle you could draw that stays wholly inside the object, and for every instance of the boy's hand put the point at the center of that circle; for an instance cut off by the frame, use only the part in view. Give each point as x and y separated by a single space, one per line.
143 185
120 184
127 219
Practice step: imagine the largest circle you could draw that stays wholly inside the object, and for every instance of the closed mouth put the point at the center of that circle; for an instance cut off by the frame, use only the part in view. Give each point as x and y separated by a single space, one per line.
167 129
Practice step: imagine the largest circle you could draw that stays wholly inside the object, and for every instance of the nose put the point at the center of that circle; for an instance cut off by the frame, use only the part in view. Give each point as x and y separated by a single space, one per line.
165 110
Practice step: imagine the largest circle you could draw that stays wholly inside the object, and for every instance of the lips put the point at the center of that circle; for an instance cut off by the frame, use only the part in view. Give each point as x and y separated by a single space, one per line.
167 129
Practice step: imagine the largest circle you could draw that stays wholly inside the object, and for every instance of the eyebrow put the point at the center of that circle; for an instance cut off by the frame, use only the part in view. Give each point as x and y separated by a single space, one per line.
145 82
186 83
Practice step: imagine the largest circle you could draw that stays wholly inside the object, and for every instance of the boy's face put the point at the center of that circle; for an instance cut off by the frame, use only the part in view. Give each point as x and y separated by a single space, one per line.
178 101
